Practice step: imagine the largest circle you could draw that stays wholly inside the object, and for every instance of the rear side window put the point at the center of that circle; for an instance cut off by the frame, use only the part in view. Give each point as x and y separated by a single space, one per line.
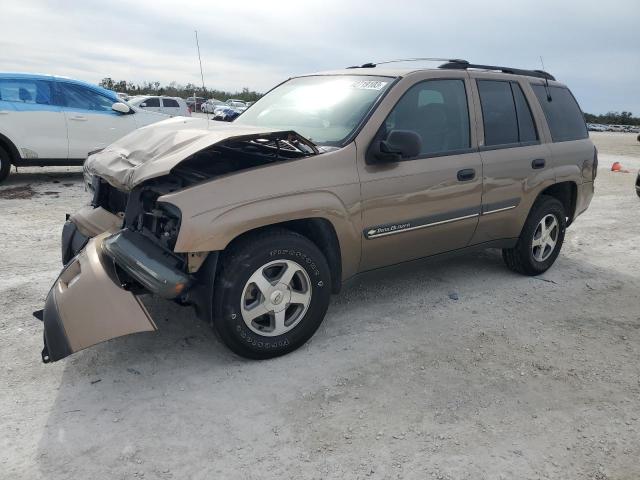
26 91
152 102
437 111
170 102
563 114
498 113
76 96
526 125
506 114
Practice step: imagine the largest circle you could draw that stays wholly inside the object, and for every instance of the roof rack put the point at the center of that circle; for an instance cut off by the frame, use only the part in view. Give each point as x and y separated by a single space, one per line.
464 65
420 59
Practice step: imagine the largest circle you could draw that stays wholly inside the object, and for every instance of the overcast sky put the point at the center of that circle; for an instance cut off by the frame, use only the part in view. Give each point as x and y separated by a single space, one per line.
592 45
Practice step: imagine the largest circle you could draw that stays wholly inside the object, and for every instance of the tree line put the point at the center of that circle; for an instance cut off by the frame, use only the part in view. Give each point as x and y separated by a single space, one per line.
175 89
613 118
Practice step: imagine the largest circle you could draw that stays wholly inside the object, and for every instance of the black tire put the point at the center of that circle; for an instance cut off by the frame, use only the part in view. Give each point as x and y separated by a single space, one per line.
5 164
521 258
236 268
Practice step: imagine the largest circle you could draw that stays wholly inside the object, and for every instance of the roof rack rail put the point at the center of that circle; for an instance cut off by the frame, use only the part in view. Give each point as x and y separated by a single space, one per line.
399 60
464 65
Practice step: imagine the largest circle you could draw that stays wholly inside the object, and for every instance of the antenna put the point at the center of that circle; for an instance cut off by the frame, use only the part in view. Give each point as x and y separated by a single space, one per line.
195 99
546 82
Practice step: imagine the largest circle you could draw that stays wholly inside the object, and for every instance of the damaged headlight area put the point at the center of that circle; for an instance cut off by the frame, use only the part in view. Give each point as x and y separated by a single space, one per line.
142 251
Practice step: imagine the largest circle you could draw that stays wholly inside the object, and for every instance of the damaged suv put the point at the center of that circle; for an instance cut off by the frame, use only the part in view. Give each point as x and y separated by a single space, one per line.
256 223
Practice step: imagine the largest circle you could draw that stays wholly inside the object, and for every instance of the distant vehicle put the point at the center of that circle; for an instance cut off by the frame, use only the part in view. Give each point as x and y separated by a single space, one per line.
49 120
194 103
210 105
595 127
237 104
249 104
172 106
123 96
226 113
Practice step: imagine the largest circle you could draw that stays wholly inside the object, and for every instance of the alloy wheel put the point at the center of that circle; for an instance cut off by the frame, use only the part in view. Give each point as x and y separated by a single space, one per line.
275 298
545 238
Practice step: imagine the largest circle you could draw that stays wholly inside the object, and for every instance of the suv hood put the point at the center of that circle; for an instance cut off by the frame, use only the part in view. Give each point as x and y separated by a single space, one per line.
152 151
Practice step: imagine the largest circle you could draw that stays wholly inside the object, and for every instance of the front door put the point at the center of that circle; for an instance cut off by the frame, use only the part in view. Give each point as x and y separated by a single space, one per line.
428 204
91 123
31 116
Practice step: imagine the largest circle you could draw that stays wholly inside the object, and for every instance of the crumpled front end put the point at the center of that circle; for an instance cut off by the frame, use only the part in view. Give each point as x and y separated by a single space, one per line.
123 243
154 150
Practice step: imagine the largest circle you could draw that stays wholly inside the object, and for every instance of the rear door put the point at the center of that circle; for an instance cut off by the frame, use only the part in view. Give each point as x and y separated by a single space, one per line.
170 106
428 204
31 117
515 161
572 150
91 123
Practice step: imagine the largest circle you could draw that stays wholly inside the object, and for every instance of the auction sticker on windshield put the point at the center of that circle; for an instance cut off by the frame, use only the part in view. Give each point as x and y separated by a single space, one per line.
368 84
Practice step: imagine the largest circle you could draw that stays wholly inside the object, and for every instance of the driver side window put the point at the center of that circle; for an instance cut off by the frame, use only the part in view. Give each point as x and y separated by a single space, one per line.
76 96
437 111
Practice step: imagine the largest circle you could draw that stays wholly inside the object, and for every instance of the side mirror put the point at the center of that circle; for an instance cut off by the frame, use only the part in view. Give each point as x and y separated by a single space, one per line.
399 144
143 105
120 107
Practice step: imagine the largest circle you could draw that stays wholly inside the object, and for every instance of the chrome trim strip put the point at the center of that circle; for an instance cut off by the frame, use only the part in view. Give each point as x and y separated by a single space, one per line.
499 210
418 227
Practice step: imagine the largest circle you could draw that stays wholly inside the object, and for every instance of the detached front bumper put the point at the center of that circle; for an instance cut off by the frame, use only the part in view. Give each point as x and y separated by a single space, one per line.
91 301
86 305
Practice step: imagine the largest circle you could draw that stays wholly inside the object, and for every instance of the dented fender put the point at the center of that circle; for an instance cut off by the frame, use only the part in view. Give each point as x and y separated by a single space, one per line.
326 186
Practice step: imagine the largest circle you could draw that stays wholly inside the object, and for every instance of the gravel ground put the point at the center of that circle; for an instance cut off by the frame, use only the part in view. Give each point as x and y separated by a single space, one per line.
455 369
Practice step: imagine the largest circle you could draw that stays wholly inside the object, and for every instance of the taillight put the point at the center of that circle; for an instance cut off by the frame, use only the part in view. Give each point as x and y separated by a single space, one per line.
189 111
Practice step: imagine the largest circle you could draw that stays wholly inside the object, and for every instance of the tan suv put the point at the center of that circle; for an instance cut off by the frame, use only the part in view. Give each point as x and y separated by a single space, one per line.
255 223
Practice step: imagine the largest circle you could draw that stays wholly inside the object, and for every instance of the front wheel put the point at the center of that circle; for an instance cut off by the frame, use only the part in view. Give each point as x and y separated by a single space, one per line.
540 240
271 294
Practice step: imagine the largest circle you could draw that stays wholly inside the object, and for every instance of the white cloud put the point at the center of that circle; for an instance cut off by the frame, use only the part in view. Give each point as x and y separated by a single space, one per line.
592 46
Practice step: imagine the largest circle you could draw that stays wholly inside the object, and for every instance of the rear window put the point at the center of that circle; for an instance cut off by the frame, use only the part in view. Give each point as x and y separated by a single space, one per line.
506 115
26 91
563 114
170 102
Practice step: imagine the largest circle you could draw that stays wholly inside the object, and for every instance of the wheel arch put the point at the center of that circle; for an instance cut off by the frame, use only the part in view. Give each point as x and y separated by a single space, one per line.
567 194
319 231
10 147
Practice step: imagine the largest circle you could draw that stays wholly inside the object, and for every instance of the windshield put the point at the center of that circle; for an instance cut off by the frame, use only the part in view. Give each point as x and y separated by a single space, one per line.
325 109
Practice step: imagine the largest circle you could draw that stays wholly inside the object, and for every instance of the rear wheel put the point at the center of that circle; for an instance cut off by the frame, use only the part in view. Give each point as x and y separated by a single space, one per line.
540 240
272 293
5 164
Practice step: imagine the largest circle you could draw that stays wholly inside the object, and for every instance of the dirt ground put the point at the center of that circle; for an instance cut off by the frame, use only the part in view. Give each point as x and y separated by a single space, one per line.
453 369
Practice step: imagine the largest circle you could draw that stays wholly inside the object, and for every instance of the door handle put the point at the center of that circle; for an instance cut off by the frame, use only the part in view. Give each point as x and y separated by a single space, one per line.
538 163
466 174
79 118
